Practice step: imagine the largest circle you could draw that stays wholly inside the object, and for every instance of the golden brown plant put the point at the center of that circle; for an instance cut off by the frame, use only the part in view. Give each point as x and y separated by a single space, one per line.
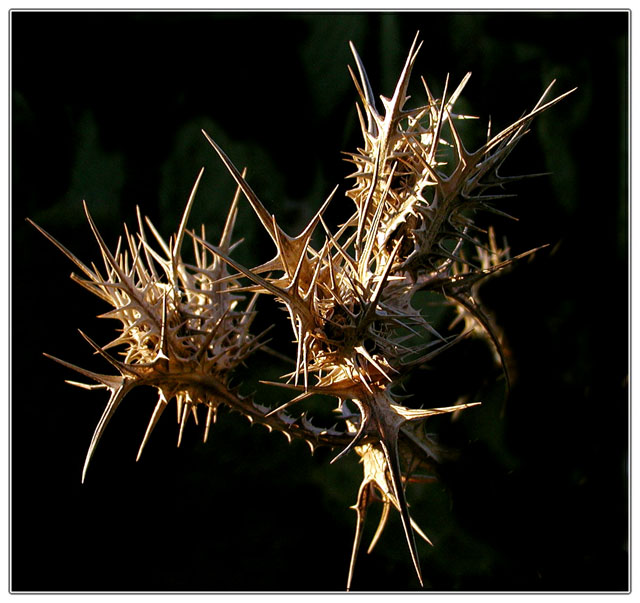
186 327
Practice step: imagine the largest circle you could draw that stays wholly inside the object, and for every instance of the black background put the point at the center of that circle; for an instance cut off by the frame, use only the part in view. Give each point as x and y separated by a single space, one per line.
108 107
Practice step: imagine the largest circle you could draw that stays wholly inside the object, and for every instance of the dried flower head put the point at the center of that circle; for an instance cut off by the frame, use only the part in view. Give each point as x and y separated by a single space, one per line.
351 301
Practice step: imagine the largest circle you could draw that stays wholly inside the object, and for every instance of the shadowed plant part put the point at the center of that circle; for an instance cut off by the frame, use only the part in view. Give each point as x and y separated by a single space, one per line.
352 300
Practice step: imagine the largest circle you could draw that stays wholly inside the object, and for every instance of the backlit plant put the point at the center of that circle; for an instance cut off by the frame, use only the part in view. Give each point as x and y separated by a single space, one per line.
187 326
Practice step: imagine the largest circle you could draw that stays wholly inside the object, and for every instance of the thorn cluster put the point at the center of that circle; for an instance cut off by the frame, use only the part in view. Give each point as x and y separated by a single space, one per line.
416 189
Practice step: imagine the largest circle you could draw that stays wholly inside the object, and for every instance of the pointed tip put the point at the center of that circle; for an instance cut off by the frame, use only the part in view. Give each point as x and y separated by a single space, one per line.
87 460
389 447
185 216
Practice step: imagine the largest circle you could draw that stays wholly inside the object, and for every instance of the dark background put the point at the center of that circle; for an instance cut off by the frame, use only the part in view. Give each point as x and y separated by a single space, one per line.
108 107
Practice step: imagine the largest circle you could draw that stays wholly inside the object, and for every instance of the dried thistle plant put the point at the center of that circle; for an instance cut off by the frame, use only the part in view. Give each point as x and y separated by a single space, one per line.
186 327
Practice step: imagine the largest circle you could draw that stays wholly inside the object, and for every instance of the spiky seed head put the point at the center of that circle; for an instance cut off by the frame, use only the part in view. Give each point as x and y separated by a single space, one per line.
416 188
